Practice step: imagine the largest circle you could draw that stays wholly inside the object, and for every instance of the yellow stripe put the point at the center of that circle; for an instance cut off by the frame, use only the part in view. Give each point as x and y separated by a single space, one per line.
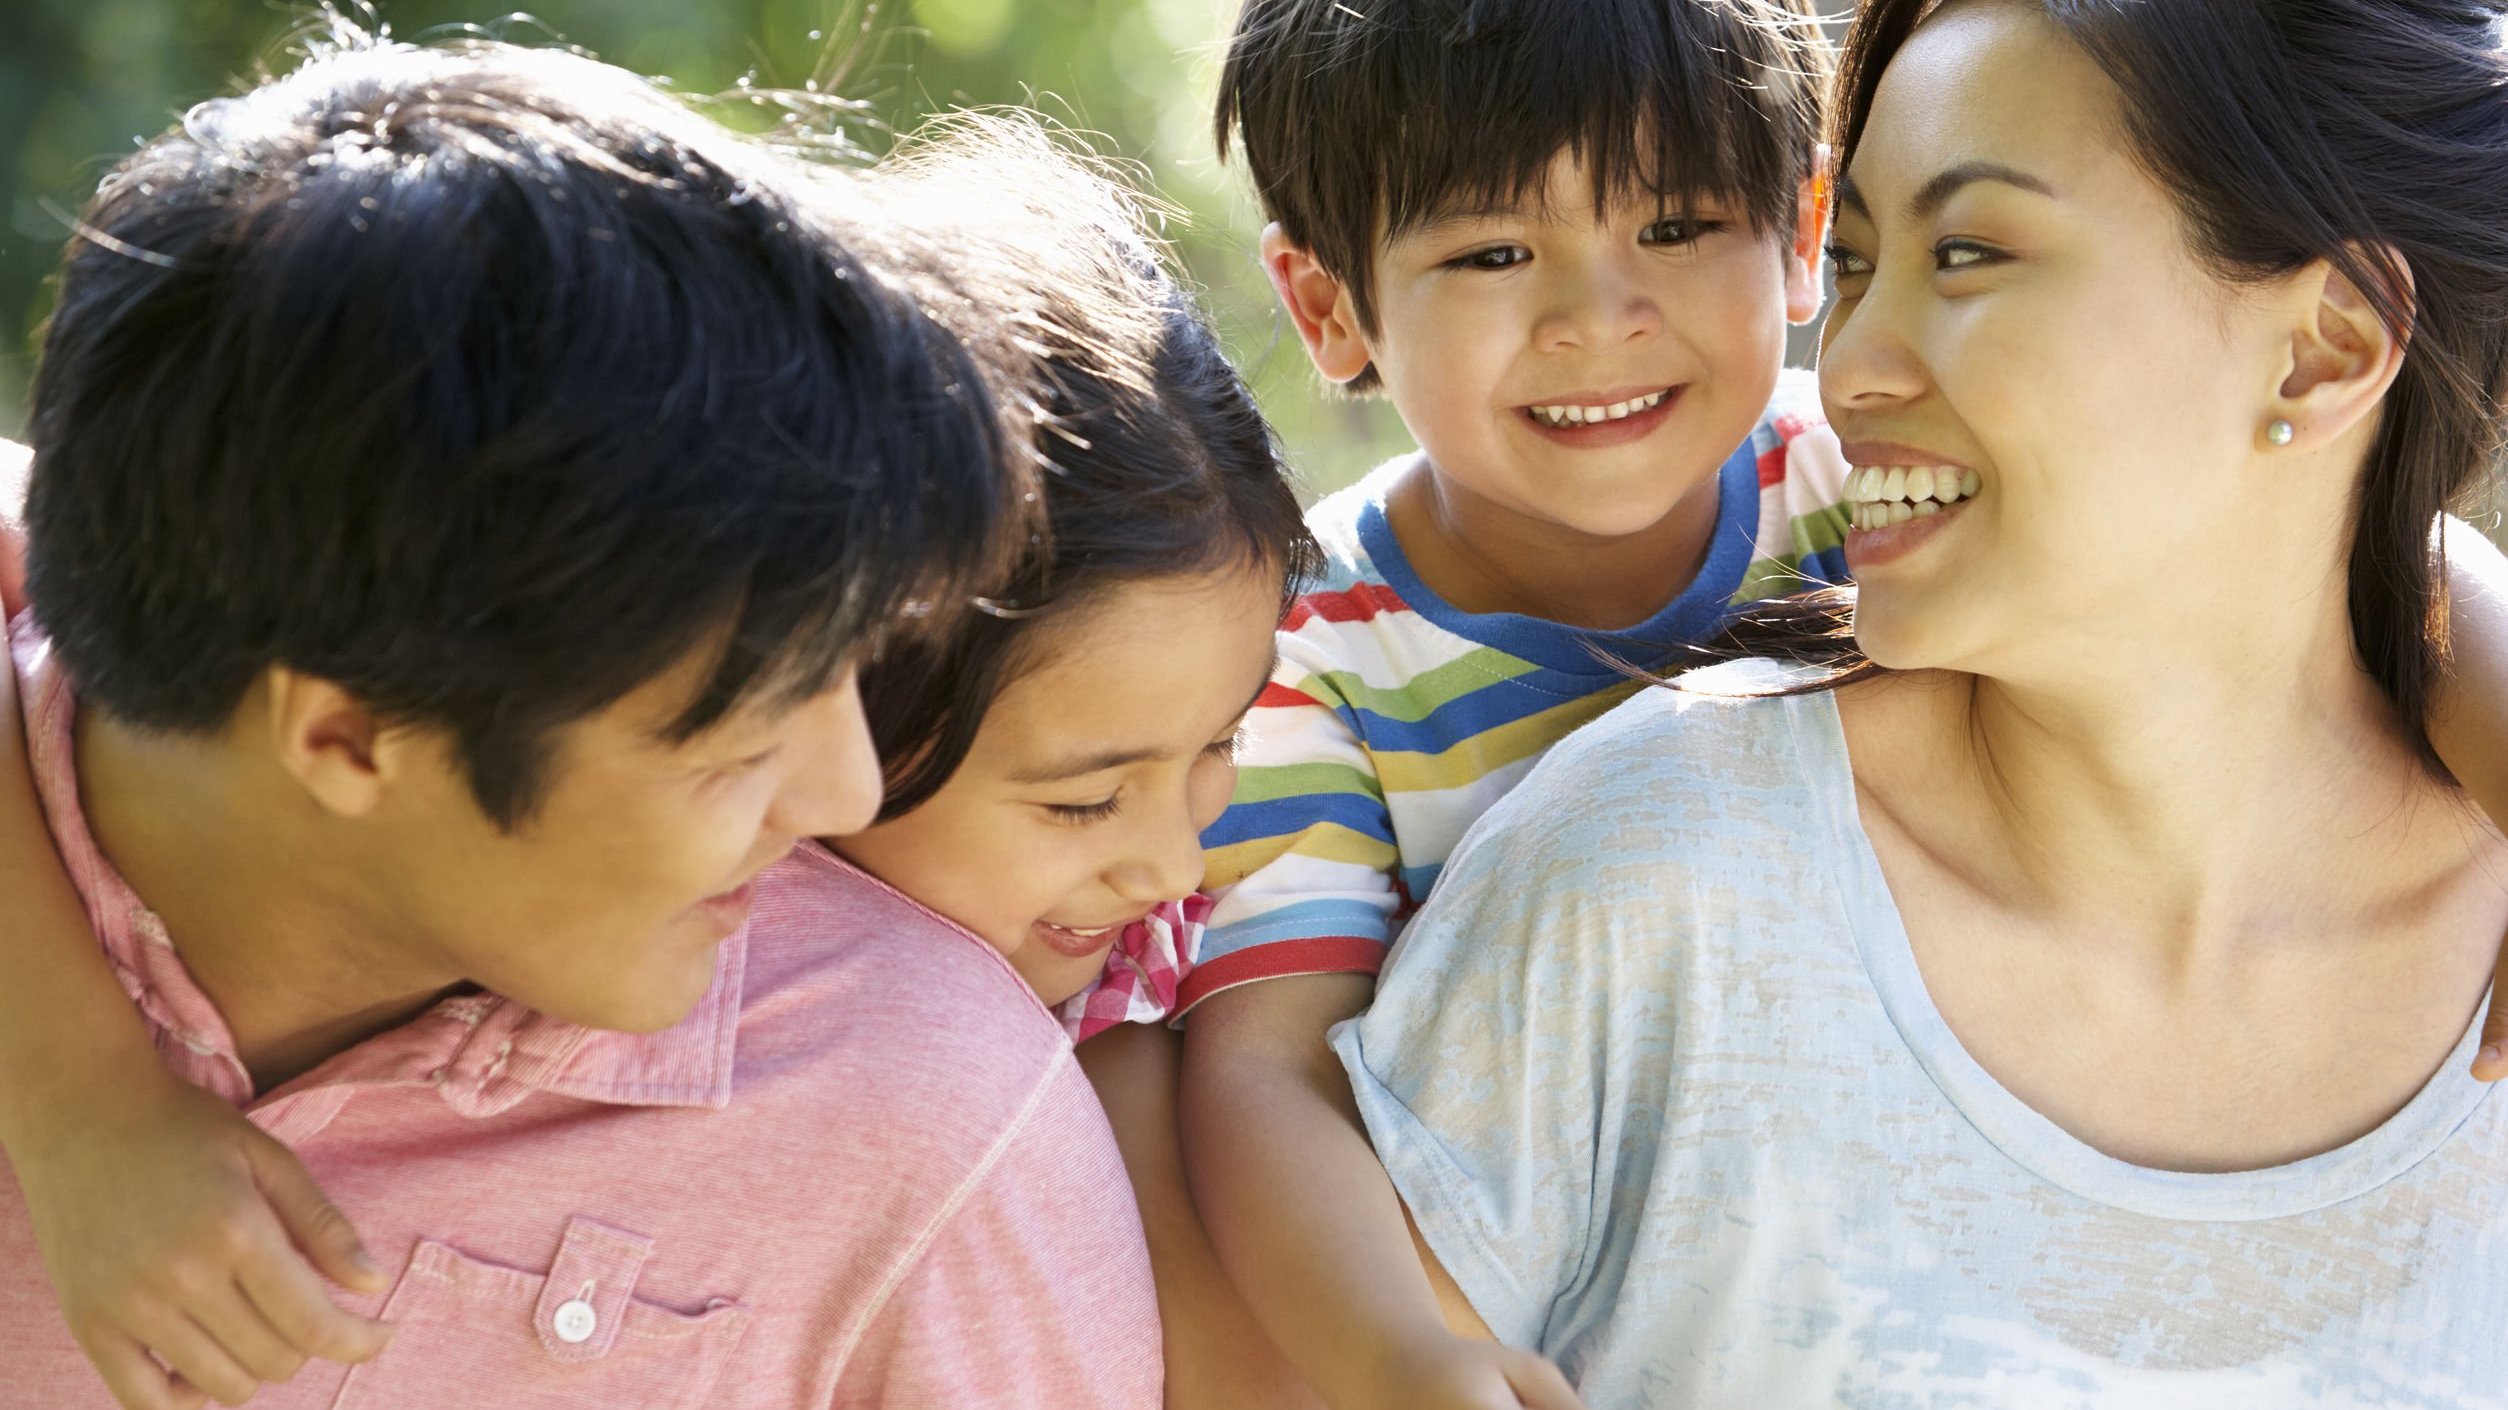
1331 842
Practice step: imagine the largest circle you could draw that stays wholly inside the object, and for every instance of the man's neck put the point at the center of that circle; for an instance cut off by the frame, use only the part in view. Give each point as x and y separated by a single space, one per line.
278 935
1485 557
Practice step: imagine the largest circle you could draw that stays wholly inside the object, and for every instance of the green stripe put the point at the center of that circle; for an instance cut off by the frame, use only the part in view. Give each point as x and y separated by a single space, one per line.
1263 783
1419 697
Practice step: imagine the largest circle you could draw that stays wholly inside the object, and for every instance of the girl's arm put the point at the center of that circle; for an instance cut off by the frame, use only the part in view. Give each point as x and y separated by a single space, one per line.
1217 1355
2469 721
168 1222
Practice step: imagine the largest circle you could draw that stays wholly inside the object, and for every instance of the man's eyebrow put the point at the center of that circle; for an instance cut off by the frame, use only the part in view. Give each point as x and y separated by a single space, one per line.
1948 182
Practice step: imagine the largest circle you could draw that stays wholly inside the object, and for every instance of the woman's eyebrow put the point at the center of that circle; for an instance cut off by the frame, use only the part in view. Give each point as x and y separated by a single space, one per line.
1948 182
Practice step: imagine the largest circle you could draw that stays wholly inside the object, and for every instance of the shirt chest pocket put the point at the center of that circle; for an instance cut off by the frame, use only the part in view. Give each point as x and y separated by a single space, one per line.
477 1333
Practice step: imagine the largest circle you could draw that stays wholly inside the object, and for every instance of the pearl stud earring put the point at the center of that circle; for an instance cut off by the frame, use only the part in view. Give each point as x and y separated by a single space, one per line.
2279 431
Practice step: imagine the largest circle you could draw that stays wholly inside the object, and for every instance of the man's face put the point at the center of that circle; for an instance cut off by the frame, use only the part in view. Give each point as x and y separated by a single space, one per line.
607 905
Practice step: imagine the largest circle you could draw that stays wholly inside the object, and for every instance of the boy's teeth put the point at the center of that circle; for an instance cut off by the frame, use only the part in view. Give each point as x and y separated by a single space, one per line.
1878 496
1566 415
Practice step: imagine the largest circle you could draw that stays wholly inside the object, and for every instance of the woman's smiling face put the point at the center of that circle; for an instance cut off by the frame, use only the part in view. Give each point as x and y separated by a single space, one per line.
2020 311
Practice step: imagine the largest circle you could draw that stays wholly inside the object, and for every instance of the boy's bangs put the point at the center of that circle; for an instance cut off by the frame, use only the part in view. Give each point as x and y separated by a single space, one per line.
1686 103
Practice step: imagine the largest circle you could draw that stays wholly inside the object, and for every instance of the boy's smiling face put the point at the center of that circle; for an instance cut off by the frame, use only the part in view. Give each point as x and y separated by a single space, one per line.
1587 371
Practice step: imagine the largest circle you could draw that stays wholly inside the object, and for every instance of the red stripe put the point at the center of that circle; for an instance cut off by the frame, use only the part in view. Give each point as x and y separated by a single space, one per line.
1361 603
1772 467
1276 696
1325 954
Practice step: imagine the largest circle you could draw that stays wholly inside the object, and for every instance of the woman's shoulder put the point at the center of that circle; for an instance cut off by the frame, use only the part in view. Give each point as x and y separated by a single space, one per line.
1694 742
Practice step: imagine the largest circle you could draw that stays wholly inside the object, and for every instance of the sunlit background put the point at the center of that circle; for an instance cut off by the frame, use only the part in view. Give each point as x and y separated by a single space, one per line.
80 80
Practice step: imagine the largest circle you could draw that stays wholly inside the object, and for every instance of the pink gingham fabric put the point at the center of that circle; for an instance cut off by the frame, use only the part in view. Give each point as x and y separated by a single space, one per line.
1144 970
824 1188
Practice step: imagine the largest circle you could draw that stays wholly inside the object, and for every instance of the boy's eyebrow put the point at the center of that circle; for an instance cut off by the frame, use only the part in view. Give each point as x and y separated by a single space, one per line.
1946 183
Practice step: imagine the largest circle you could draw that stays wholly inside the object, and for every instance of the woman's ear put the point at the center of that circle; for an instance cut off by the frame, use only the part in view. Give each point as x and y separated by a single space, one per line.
1320 306
2343 356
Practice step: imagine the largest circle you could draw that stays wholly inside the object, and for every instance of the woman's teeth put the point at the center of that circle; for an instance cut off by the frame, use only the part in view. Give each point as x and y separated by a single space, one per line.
1878 496
1588 415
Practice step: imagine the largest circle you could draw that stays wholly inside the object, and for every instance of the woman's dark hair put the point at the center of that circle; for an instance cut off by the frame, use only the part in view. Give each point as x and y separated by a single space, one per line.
2371 134
1156 462
487 383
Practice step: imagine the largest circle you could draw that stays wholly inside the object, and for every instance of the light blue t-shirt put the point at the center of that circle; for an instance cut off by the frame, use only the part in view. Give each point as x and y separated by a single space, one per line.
1658 1077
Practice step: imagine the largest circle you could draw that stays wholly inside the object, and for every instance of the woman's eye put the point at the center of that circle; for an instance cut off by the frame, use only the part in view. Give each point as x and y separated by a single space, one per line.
1846 264
1495 257
1953 255
1678 230
1085 812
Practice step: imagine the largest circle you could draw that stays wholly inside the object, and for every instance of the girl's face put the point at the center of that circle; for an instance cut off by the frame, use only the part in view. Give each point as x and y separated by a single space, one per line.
2020 313
1082 800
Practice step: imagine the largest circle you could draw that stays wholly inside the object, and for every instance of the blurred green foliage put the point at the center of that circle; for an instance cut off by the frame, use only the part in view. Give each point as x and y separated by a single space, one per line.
81 80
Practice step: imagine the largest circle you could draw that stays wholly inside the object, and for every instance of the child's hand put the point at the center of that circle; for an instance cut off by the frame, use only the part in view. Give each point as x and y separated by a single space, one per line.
1460 1373
185 1231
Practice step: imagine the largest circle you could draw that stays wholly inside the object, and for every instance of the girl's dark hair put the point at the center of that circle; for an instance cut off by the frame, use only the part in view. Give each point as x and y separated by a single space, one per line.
1156 462
2371 134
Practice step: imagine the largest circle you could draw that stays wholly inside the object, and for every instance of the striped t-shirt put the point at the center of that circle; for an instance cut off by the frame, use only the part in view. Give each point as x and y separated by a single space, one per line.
1396 719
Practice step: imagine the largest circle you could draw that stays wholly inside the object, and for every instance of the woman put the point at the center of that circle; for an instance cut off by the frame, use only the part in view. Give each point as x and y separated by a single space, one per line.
2059 1011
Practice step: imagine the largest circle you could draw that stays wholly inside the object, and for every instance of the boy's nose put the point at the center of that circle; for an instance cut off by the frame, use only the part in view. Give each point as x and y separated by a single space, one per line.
834 784
1599 310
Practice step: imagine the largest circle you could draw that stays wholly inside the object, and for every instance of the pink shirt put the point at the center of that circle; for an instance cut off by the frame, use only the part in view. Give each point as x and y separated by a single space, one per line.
824 1188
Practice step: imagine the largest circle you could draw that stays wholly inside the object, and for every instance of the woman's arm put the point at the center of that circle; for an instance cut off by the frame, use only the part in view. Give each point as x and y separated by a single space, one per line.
2469 720
169 1223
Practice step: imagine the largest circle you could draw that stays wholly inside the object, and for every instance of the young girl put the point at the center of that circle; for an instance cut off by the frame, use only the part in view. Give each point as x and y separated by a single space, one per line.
1050 766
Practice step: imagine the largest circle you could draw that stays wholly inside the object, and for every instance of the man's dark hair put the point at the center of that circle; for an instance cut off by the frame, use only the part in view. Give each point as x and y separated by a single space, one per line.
487 383
1364 119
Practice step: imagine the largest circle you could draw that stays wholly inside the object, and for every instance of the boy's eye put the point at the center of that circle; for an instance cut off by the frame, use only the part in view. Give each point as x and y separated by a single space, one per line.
1494 257
1678 230
1086 812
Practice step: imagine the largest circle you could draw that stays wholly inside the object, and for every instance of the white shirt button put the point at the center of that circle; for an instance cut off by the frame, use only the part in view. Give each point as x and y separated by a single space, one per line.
575 1322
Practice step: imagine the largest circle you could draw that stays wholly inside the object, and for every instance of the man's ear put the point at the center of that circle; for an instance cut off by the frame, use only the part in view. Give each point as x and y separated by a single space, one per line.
329 741
1805 256
2342 356
1327 321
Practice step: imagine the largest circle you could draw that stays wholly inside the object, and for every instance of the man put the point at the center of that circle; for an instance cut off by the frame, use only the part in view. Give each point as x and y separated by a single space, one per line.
463 486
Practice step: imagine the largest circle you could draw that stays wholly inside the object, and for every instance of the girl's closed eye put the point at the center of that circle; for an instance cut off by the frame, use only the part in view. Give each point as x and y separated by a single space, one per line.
1084 813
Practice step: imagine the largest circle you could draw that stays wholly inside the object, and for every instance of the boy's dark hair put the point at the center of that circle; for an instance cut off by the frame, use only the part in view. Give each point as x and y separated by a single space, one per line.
487 383
1364 119
1157 463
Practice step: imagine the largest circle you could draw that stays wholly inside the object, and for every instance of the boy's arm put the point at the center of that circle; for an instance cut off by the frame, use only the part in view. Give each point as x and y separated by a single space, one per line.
168 1222
1217 1355
1307 1223
2468 722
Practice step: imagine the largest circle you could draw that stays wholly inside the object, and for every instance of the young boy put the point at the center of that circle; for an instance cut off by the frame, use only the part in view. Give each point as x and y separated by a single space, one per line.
1566 241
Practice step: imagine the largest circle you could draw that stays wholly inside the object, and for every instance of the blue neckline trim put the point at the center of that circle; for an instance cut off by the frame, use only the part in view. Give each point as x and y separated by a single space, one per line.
1692 616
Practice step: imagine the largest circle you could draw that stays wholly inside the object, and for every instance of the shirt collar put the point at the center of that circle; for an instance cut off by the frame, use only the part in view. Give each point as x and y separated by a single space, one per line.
484 1053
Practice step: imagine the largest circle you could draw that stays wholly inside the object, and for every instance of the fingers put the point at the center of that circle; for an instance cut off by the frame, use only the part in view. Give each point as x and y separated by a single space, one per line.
135 1378
285 1294
246 1337
2492 1064
195 1355
312 1220
1538 1383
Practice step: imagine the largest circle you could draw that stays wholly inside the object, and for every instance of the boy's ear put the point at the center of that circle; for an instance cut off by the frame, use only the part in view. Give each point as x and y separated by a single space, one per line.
2342 356
329 741
1319 305
1811 237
